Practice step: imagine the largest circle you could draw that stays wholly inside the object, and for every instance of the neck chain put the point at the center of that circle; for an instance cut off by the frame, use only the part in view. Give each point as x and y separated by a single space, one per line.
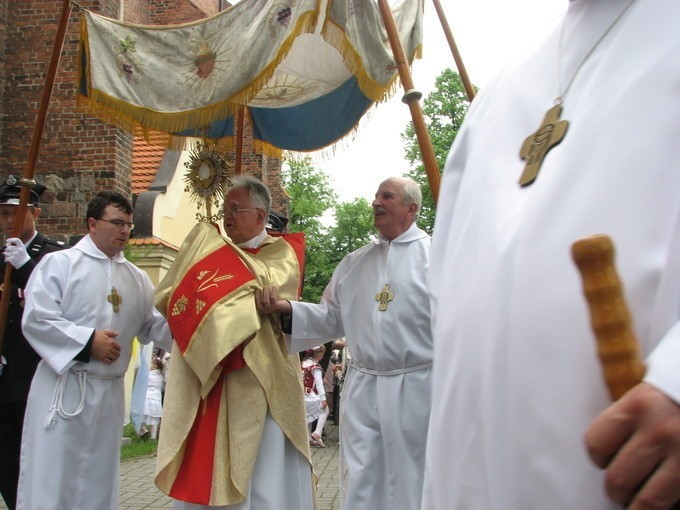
552 130
114 298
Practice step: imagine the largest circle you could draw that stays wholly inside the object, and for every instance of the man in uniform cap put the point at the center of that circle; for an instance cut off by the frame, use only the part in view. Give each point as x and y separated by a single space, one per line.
18 360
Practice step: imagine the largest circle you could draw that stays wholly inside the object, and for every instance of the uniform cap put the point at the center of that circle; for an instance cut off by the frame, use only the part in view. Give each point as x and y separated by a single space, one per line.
276 221
10 192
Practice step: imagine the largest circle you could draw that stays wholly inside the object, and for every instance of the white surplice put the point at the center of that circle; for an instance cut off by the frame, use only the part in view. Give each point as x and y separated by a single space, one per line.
517 380
386 397
73 461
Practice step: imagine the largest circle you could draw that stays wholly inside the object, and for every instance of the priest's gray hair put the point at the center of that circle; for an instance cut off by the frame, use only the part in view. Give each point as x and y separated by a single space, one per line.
411 194
258 192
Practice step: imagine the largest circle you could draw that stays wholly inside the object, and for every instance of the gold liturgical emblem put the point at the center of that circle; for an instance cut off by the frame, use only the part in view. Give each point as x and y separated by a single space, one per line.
115 299
536 146
383 297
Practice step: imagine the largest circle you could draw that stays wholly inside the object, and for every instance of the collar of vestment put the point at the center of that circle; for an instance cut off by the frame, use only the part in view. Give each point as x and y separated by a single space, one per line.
255 242
87 246
412 234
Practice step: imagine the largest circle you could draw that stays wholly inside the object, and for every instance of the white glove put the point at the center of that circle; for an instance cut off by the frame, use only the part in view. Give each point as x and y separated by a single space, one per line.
15 252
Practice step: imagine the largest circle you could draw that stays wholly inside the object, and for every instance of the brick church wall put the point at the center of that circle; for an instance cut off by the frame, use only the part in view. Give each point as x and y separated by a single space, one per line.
3 61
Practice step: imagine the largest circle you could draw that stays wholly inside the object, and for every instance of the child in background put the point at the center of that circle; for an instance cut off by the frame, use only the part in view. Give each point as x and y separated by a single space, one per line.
315 395
153 406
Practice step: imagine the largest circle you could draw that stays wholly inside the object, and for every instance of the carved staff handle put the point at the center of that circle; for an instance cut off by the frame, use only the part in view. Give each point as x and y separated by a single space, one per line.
610 319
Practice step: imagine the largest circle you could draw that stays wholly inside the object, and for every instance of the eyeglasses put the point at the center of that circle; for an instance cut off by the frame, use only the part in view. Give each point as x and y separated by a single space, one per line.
233 211
119 223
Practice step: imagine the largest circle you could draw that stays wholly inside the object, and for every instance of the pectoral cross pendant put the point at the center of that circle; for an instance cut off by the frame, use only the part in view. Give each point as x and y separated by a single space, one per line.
115 299
536 146
383 297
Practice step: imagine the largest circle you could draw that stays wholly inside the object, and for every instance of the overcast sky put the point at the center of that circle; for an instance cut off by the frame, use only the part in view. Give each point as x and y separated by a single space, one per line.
487 33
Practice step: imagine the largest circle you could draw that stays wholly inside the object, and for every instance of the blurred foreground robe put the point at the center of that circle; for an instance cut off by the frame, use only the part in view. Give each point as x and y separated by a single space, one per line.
517 379
232 383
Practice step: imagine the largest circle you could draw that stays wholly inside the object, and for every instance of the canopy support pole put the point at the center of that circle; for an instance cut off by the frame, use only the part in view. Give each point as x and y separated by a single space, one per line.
27 181
411 98
240 129
462 72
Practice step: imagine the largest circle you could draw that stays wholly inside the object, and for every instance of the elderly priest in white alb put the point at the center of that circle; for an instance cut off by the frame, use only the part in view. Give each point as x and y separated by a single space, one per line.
377 299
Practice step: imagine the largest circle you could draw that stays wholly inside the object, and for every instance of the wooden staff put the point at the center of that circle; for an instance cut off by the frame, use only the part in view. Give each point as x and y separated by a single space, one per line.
411 98
239 127
617 346
462 72
27 181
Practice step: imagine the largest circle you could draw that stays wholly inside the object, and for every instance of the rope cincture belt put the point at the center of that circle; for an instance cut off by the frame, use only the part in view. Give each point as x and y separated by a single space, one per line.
57 405
397 371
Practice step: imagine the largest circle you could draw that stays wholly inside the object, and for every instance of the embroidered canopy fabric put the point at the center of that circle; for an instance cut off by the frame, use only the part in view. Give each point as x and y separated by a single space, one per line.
306 69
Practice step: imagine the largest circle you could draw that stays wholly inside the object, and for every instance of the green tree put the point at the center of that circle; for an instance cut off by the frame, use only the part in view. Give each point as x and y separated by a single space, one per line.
352 229
311 195
444 110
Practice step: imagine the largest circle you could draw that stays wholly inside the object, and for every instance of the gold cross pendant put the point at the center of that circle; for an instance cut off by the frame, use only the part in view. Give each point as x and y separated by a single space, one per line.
383 297
115 299
536 146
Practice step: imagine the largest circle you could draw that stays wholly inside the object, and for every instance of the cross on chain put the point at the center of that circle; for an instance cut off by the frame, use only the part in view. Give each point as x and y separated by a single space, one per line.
115 299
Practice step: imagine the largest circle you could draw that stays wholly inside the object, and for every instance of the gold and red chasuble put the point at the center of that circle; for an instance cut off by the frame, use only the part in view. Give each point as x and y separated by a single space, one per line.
231 366
296 240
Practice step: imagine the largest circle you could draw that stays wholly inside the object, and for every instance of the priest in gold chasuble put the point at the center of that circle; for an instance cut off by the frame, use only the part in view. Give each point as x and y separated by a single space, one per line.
234 430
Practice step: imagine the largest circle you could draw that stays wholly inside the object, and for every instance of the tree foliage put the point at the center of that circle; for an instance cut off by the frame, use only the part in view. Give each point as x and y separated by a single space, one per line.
311 195
444 110
353 227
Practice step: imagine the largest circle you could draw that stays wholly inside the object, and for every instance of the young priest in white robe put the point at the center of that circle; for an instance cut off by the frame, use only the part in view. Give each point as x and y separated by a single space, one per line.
84 307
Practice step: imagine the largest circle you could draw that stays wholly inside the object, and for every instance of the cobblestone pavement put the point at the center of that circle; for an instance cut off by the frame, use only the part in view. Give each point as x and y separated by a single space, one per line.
138 492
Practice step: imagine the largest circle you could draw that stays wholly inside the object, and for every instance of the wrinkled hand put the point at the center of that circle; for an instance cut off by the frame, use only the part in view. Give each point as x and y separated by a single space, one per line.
637 440
267 301
104 346
15 252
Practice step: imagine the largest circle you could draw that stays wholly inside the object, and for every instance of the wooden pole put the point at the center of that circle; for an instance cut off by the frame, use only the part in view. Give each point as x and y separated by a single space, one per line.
27 181
411 98
240 121
462 72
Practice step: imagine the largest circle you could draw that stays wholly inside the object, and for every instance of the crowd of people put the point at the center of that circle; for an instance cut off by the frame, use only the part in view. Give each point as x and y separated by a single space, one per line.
468 370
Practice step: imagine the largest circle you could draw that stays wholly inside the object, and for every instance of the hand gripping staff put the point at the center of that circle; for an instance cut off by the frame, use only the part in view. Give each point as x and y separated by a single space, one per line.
610 319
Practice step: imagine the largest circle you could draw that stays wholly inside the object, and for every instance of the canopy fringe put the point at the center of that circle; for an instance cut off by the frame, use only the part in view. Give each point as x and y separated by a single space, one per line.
335 36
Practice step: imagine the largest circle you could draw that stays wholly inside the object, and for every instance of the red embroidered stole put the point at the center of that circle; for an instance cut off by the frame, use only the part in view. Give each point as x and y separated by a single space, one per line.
202 287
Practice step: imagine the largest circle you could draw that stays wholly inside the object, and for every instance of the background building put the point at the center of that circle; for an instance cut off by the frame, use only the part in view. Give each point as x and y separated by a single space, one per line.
79 154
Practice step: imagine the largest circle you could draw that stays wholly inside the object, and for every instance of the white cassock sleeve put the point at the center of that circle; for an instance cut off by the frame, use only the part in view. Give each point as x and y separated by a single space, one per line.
313 323
56 339
663 365
155 327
